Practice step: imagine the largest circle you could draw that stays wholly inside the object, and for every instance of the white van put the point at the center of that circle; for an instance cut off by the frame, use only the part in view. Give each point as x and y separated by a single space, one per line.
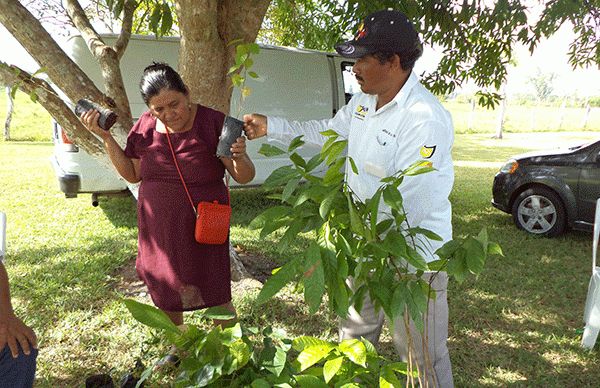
293 83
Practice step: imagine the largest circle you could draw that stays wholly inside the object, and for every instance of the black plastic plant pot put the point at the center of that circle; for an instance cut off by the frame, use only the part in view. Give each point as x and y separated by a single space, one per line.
107 117
232 129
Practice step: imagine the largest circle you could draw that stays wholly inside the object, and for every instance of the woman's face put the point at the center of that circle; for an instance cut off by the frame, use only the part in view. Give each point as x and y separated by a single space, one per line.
172 108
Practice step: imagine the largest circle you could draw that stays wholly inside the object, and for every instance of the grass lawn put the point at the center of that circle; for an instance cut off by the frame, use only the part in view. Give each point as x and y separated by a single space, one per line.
518 325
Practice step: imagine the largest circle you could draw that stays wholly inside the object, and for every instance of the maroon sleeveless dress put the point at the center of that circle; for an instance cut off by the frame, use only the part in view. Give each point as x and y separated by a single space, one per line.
180 273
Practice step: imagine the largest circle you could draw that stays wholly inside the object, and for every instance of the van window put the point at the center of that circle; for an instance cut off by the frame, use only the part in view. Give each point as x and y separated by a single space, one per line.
351 86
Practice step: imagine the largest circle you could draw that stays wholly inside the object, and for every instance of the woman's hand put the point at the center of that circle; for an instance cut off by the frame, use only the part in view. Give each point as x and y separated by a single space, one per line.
240 167
90 120
238 149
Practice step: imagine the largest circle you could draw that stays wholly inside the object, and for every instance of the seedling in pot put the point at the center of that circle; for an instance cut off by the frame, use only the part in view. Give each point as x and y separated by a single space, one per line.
233 127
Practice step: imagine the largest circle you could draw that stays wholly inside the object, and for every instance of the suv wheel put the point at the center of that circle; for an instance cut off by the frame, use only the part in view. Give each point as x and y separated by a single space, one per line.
539 211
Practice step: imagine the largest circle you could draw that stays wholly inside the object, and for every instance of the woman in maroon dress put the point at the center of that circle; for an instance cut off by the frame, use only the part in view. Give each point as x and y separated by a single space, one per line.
181 274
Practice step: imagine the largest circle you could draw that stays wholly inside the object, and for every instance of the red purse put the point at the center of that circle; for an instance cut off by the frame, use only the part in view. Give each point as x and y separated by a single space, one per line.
212 218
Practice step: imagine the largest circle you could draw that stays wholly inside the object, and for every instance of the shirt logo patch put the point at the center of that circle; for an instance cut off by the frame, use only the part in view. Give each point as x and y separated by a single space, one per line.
427 151
361 112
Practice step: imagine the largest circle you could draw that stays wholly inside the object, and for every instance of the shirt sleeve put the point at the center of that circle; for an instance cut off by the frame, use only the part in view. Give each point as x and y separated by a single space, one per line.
133 138
425 196
285 131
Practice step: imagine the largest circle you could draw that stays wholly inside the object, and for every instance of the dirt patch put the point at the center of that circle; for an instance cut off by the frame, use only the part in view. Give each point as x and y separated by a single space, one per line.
258 267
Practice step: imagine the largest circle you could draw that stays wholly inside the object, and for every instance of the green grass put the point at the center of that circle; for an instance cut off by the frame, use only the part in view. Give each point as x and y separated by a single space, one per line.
30 122
518 325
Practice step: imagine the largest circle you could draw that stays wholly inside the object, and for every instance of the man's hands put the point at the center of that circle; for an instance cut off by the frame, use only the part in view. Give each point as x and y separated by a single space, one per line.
255 126
13 331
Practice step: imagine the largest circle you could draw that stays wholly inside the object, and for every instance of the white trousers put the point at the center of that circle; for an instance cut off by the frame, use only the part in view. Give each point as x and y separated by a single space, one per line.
368 324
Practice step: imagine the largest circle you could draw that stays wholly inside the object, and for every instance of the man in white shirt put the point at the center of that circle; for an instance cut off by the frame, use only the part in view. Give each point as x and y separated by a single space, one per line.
393 122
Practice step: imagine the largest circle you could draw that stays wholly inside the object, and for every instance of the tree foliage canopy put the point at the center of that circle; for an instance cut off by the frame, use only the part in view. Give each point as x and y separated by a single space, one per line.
477 37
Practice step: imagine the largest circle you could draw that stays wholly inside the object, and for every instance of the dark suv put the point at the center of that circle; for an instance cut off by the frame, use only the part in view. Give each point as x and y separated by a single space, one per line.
549 191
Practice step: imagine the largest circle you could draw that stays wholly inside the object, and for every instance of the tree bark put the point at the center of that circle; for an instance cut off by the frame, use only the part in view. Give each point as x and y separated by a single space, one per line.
9 112
205 55
63 72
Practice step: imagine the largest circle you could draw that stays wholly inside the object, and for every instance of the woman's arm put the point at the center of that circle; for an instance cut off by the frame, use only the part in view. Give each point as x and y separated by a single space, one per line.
128 168
240 167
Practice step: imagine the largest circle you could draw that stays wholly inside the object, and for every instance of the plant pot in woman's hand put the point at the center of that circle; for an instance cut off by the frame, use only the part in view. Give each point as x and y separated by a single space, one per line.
232 129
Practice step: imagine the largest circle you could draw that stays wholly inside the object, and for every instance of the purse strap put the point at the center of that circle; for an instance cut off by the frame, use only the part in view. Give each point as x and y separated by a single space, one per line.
179 171
181 175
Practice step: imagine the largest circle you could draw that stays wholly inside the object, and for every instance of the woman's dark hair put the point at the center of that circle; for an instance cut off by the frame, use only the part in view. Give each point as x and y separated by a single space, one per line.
159 76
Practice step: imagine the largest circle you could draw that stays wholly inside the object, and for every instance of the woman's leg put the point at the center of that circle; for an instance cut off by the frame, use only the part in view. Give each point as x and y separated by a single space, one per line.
175 316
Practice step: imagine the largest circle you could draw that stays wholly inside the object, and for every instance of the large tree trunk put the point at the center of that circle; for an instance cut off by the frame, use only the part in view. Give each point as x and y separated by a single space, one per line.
207 28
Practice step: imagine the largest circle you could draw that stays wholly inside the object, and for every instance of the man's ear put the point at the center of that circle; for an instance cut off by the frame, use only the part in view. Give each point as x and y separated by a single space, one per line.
395 60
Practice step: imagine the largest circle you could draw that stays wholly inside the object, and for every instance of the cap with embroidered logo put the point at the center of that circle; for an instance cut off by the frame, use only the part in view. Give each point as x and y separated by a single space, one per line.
382 31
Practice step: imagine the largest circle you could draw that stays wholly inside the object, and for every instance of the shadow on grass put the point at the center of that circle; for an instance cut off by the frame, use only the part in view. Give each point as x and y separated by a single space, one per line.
518 324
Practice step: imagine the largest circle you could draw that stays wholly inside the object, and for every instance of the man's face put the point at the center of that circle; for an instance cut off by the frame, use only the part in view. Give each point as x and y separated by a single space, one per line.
372 76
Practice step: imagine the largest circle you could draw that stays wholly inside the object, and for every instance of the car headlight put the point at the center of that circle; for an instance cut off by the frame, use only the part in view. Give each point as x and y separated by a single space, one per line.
510 166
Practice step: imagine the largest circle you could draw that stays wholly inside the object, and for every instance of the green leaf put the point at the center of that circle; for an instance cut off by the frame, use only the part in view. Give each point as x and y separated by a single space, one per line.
392 197
295 143
309 381
328 201
167 19
278 280
218 312
475 255
268 216
494 249
414 311
260 383
155 18
302 342
269 150
296 226
314 278
298 160
355 350
333 172
253 74
312 355
427 233
290 187
329 133
253 48
273 358
237 79
150 316
332 367
388 379
419 296
280 177
335 150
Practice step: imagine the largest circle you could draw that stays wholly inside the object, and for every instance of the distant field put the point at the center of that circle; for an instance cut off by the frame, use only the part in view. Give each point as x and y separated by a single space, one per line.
31 122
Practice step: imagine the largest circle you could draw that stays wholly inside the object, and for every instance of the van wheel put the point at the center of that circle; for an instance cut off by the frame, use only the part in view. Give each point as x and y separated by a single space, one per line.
539 211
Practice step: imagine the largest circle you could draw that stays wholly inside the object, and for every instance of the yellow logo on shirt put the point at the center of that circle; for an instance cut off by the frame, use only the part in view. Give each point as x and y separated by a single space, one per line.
427 151
361 112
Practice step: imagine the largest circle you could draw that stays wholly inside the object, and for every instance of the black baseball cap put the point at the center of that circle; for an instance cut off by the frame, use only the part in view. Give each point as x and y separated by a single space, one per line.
382 31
